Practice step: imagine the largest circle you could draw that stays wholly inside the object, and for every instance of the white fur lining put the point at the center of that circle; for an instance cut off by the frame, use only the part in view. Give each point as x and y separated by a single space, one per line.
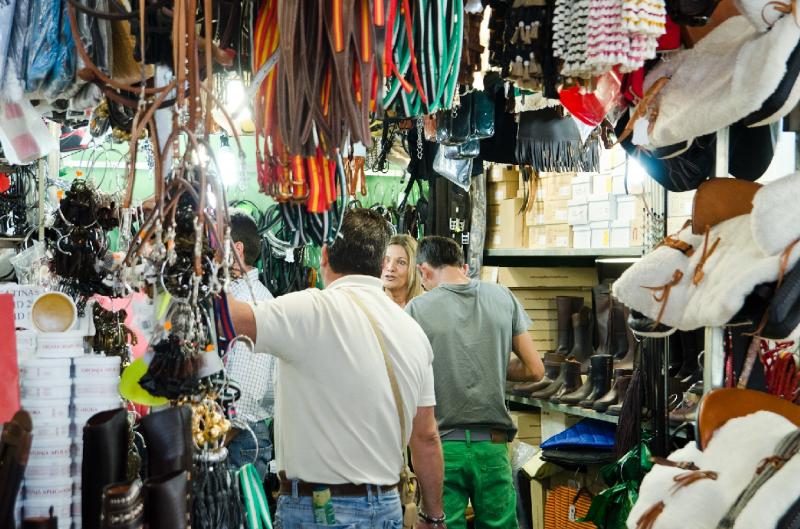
776 216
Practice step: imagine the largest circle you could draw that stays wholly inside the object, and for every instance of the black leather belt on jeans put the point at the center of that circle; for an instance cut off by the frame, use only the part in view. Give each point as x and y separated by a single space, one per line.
478 434
344 489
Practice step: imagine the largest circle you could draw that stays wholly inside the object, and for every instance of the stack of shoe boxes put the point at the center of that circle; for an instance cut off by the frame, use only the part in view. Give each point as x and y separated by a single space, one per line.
505 225
546 219
679 210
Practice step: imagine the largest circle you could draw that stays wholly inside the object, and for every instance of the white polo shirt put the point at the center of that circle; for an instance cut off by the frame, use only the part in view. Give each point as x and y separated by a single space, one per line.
335 417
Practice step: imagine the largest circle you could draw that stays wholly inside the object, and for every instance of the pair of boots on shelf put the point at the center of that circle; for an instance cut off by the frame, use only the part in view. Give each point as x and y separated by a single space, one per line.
110 499
686 375
616 347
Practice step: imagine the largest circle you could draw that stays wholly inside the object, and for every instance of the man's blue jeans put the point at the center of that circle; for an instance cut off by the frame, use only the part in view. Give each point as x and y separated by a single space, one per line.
374 511
242 449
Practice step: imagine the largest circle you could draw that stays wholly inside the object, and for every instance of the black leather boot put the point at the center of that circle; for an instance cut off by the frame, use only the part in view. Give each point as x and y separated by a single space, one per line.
601 304
552 367
621 385
622 342
612 396
105 460
582 327
123 506
567 306
166 500
15 448
601 379
168 436
572 379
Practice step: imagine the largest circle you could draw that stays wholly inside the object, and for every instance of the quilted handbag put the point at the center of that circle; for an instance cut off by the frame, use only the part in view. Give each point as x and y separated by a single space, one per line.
564 506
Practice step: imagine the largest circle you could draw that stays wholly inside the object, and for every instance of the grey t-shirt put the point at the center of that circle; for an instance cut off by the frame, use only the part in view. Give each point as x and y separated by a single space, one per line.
470 328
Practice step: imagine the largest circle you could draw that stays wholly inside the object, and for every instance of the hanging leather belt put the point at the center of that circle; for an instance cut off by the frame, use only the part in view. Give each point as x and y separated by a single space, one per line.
345 489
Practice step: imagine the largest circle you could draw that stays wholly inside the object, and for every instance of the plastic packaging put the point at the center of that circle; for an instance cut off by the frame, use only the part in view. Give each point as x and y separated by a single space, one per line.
6 23
591 107
46 409
52 429
457 171
47 389
43 42
60 344
17 54
50 449
39 368
48 470
23 134
54 490
100 389
62 75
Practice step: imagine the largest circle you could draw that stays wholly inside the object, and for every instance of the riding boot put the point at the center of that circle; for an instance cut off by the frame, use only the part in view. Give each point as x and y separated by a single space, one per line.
567 306
168 437
611 397
166 498
582 327
572 379
601 379
621 385
601 304
623 344
105 461
552 366
578 395
553 387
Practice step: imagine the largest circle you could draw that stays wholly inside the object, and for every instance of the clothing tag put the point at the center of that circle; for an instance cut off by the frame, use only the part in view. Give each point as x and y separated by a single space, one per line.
572 513
289 256
640 136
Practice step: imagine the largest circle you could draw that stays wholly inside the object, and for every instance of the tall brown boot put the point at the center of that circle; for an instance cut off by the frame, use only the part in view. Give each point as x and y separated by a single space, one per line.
601 378
582 329
621 339
601 304
567 306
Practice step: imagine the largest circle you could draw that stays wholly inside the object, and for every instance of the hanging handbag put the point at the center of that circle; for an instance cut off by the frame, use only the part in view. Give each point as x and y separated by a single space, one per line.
408 487
454 127
482 115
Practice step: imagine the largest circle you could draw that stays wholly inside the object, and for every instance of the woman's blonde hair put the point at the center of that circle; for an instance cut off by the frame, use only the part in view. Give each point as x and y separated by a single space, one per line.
409 244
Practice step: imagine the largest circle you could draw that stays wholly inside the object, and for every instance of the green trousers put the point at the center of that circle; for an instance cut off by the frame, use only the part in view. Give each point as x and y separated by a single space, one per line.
479 472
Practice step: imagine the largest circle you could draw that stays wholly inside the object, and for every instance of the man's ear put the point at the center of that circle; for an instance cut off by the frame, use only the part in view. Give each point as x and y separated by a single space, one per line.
239 247
323 260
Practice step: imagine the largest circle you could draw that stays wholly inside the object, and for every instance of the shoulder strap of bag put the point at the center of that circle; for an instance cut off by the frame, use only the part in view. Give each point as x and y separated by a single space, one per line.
398 398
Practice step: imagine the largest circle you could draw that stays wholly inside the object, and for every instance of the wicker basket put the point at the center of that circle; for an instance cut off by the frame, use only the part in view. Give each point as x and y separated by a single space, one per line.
565 504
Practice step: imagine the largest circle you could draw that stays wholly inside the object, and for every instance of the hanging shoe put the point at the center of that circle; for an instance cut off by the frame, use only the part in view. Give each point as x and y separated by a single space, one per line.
105 460
571 381
686 411
168 437
601 367
166 501
582 332
567 306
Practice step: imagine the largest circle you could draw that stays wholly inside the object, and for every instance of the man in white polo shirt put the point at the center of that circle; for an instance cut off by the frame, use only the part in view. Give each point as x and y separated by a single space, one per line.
336 423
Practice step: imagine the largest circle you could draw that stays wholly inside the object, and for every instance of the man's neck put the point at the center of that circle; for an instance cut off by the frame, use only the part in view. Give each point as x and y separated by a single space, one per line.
452 275
398 295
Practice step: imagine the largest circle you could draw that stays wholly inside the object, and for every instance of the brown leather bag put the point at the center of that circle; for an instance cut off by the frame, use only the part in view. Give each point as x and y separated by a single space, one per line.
720 199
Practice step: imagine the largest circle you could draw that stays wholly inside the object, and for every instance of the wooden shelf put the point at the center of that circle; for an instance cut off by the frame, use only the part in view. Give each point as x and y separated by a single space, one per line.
563 408
583 253
10 242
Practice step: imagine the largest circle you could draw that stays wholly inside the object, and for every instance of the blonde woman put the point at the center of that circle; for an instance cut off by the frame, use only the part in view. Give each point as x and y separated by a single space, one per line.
400 277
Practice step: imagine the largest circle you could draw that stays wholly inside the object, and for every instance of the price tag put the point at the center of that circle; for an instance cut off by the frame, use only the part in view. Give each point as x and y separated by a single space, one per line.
572 513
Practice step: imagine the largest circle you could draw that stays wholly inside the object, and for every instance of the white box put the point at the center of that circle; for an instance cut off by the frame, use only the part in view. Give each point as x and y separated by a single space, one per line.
581 237
581 187
601 184
626 208
602 208
578 212
620 234
601 236
618 185
680 204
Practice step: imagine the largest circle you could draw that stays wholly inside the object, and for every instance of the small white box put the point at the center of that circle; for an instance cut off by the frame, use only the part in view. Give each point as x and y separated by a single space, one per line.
581 237
620 234
601 237
602 208
618 185
581 187
578 212
680 204
601 184
626 207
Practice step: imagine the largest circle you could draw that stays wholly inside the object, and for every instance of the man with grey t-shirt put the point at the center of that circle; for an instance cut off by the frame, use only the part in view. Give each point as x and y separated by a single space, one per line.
473 326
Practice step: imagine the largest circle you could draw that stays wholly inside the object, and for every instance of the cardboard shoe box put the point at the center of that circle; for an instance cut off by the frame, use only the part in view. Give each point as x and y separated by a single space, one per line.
627 207
506 228
601 234
559 236
535 215
496 192
502 173
602 208
557 186
577 212
582 237
620 234
680 204
547 277
537 237
556 211
581 187
545 299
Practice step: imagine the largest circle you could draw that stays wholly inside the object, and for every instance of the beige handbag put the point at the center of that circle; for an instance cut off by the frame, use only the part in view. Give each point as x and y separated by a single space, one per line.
407 486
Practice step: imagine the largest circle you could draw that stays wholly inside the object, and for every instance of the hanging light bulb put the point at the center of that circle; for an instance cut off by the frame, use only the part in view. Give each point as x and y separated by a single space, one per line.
229 163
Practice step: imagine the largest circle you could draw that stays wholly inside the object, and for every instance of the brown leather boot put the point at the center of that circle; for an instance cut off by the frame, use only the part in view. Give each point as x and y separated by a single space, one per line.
567 306
582 328
552 367
571 381
553 387
601 304
621 386
622 341
611 397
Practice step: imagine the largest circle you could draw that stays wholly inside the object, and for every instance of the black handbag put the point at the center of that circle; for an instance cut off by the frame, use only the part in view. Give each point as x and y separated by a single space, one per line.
691 12
783 314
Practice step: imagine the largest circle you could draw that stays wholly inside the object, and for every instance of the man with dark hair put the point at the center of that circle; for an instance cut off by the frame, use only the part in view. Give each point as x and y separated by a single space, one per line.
337 422
473 326
254 373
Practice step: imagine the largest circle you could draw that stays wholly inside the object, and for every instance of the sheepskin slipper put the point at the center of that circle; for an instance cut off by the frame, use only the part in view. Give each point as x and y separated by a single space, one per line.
727 76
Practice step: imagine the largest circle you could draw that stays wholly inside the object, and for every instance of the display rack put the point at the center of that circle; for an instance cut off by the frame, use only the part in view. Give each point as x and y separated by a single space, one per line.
576 411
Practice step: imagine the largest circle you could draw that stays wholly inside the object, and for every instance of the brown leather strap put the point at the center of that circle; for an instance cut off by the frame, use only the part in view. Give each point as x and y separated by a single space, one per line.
345 489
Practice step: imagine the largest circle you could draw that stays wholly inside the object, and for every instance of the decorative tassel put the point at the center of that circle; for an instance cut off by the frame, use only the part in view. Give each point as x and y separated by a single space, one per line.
629 429
687 478
648 519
